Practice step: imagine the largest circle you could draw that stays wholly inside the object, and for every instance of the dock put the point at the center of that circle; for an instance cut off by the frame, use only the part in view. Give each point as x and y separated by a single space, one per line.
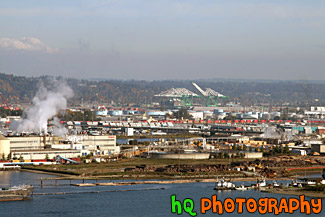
98 192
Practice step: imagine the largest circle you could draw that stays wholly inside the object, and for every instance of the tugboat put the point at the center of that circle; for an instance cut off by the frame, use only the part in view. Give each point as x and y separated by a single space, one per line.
224 185
15 193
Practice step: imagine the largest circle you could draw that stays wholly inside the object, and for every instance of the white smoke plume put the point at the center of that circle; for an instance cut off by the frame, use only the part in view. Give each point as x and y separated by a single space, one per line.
45 105
271 133
58 129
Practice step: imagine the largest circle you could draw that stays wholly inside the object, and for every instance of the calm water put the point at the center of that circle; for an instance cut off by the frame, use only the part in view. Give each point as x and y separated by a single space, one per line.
124 203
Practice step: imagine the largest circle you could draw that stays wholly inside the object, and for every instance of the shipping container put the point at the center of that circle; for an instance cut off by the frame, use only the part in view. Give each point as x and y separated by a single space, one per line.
5 161
40 160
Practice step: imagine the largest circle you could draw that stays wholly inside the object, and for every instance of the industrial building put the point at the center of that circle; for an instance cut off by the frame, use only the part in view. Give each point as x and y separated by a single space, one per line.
4 147
45 154
319 148
26 142
41 147
103 144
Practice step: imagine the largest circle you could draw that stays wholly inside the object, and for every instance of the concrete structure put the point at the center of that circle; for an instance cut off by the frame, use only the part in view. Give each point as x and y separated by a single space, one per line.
253 142
33 147
104 144
197 115
321 130
4 147
26 142
253 154
43 153
129 131
320 148
299 152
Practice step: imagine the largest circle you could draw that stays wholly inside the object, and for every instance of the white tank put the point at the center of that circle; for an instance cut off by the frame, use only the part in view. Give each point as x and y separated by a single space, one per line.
4 146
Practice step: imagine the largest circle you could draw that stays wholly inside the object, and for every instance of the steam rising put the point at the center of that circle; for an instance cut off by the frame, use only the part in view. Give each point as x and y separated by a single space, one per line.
58 129
273 133
45 105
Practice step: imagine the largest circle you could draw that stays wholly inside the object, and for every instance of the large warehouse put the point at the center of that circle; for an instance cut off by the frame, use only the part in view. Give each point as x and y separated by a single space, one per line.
41 147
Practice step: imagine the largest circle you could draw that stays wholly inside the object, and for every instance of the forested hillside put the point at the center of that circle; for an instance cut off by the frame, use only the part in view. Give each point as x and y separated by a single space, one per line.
20 89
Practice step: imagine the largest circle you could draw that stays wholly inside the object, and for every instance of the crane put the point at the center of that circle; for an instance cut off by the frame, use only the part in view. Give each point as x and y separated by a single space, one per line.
183 95
212 96
200 89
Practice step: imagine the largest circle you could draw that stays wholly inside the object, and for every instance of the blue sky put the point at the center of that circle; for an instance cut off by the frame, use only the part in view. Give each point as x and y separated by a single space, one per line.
162 39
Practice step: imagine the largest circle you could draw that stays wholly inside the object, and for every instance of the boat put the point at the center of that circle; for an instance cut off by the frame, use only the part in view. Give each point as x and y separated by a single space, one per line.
16 193
294 183
261 183
276 185
241 188
224 185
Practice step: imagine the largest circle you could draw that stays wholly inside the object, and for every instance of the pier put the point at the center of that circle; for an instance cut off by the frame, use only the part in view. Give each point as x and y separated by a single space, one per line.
97 192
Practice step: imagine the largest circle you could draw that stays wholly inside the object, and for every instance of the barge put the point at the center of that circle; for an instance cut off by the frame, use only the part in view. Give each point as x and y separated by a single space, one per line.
16 193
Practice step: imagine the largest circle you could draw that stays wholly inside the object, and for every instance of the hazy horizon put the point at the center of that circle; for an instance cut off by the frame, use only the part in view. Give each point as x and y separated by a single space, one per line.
180 80
164 40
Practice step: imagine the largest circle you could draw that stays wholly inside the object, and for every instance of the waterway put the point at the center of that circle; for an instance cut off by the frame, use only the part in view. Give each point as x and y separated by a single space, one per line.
116 200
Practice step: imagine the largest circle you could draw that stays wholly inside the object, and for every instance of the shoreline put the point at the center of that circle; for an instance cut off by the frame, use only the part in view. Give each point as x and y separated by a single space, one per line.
178 180
185 179
42 172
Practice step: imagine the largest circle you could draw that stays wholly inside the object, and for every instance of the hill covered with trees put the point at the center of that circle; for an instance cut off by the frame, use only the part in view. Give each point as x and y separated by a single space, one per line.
21 89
